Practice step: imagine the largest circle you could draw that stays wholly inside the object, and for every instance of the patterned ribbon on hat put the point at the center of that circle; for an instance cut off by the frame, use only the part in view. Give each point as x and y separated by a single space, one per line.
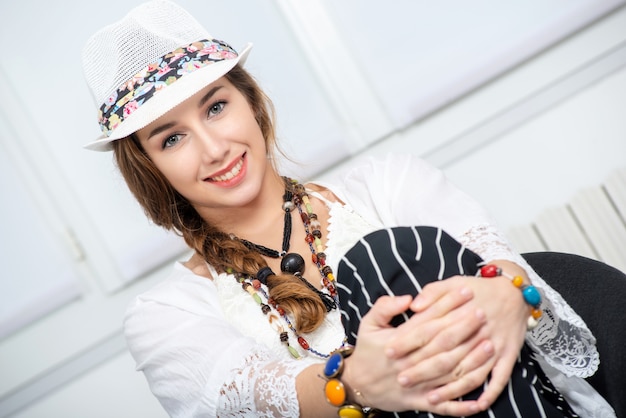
157 76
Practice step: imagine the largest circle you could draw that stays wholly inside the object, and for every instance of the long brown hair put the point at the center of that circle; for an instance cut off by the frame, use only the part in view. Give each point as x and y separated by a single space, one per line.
167 208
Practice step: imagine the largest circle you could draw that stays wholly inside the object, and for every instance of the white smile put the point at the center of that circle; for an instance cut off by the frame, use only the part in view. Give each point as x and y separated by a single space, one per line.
229 175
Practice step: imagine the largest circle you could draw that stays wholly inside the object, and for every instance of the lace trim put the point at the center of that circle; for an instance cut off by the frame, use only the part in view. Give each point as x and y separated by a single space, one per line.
261 388
562 337
345 228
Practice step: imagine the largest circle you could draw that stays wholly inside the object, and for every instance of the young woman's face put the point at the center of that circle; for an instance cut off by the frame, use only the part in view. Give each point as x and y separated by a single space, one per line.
210 148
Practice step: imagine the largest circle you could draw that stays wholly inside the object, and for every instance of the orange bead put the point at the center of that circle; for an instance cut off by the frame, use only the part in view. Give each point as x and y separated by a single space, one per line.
518 281
335 392
536 313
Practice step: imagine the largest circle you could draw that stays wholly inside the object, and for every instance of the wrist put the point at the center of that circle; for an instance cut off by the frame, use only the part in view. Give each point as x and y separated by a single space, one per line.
530 293
353 394
339 389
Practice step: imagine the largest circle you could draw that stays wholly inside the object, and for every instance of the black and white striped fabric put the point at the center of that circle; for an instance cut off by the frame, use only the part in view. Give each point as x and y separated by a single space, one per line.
401 260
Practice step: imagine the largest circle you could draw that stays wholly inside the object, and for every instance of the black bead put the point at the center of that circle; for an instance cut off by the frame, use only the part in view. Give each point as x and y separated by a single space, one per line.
292 263
262 274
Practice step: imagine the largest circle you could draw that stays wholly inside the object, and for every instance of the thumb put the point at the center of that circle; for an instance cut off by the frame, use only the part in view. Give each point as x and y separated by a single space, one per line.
385 308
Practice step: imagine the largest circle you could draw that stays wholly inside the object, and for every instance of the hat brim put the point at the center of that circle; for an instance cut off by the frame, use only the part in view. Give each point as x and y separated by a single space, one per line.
167 99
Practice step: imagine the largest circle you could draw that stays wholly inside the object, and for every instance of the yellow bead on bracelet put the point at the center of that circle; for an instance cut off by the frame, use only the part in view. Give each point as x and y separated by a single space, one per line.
351 411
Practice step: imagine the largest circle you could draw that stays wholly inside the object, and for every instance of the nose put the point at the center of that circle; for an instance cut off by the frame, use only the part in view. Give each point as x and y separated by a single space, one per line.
211 146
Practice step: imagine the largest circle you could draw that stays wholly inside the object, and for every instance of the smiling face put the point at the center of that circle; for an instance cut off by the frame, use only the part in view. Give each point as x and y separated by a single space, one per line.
211 149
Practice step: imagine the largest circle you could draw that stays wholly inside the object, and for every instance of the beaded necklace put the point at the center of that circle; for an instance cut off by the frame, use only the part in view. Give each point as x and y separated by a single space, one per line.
268 252
293 263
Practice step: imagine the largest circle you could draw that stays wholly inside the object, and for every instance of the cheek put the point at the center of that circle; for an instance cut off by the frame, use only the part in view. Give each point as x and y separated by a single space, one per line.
253 130
178 170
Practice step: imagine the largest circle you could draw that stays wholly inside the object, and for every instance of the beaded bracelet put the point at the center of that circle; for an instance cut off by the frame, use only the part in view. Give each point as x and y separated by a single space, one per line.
335 390
529 292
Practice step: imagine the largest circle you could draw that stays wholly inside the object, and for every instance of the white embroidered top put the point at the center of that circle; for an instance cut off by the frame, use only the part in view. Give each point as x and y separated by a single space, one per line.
206 348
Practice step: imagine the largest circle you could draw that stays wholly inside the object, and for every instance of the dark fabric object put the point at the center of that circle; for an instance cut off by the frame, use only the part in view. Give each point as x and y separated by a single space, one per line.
402 260
597 292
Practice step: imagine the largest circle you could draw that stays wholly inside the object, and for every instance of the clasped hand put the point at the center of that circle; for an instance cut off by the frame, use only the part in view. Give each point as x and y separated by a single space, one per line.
462 330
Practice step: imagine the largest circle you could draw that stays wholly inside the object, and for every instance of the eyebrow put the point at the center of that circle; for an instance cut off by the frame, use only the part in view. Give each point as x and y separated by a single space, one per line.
208 96
201 103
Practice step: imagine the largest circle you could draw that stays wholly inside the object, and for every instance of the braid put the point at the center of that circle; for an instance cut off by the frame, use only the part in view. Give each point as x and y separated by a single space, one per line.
287 290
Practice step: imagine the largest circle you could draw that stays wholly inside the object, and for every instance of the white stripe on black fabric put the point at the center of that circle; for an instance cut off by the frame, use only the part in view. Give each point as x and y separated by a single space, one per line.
512 399
418 253
442 260
381 281
400 261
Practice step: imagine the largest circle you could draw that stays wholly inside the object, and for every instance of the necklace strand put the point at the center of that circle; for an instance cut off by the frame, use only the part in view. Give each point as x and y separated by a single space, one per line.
268 252
298 197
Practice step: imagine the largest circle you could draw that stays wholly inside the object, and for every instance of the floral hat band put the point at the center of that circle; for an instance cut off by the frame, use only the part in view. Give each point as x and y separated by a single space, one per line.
157 76
158 47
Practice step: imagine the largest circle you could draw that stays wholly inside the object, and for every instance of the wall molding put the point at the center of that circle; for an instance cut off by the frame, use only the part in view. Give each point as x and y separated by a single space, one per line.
526 109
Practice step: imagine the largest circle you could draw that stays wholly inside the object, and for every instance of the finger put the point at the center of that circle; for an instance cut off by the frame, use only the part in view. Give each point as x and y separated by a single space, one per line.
463 380
423 338
478 358
500 376
445 302
385 308
452 399
456 408
454 330
434 291
448 366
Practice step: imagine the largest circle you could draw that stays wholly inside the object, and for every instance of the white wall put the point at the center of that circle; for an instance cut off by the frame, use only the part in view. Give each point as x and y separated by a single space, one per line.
525 141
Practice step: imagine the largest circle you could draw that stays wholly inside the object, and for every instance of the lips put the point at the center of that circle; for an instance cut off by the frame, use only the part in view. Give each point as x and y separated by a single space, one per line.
229 172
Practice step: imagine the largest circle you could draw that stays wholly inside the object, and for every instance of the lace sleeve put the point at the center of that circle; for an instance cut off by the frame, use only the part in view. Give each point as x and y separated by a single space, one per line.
260 387
562 337
198 364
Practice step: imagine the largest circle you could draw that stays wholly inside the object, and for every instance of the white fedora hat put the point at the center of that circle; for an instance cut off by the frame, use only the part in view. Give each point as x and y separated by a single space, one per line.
148 62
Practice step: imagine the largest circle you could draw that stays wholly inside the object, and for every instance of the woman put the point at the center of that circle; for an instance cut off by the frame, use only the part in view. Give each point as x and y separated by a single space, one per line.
193 136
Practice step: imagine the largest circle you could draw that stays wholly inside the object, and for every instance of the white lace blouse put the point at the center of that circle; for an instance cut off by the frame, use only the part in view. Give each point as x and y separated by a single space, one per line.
207 350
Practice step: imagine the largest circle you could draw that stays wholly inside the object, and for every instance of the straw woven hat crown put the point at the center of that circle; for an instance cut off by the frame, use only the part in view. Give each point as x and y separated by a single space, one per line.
148 62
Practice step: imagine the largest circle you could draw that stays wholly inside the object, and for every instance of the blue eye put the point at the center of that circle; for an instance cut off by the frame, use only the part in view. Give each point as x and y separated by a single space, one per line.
170 141
216 108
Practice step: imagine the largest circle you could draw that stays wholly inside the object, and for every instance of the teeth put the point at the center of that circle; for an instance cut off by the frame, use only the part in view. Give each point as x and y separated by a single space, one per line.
232 173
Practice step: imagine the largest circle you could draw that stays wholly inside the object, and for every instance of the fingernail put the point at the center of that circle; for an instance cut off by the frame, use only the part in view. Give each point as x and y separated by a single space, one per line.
474 407
480 314
417 304
466 291
488 347
403 380
433 398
